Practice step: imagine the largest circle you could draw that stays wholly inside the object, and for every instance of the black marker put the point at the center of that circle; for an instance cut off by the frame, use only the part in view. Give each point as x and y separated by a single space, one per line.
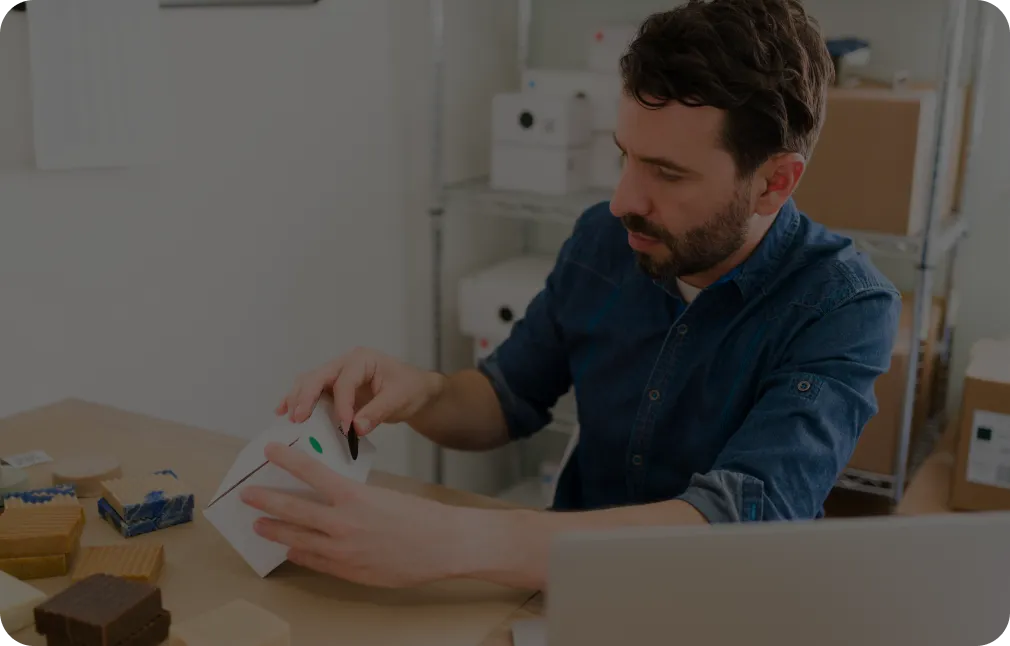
352 442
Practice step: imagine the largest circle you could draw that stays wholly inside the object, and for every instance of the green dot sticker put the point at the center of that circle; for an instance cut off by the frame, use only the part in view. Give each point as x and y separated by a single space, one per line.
315 444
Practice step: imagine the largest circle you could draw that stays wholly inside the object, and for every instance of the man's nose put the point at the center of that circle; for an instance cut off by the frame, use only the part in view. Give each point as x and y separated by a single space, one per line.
628 196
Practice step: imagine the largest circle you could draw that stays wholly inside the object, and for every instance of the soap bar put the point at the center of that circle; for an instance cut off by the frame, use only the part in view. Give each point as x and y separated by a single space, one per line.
36 496
129 530
17 602
135 562
11 479
37 567
42 530
153 634
101 610
60 500
151 497
239 622
86 473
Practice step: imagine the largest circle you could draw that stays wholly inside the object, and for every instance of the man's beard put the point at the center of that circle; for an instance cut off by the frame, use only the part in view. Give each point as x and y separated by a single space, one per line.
698 250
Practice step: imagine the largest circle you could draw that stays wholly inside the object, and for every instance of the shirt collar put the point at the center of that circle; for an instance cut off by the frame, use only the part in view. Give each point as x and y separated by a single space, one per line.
750 275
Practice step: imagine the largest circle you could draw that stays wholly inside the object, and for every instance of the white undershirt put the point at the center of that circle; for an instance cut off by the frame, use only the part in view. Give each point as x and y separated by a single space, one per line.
687 291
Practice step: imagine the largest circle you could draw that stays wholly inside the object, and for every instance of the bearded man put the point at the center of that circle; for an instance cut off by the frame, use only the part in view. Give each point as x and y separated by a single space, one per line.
723 346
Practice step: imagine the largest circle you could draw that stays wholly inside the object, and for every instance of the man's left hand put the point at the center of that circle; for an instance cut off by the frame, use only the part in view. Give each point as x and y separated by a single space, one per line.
359 533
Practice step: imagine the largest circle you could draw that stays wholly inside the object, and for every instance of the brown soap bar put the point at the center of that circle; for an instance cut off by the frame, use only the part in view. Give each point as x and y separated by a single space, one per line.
40 530
153 634
101 610
137 562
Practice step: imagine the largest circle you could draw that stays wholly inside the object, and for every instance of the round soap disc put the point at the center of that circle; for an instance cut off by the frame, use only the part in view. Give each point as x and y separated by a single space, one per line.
86 473
12 479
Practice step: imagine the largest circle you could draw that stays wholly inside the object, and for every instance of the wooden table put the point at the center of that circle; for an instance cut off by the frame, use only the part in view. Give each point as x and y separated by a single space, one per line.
203 572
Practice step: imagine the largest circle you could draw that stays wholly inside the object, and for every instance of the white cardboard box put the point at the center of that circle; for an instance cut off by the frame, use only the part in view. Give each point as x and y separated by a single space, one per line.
547 171
602 90
318 438
607 45
492 300
607 162
540 119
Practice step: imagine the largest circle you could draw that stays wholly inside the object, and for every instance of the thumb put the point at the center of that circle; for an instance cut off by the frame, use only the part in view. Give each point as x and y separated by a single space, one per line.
377 411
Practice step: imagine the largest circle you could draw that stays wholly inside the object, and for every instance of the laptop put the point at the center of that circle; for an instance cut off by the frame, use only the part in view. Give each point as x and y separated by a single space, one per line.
928 581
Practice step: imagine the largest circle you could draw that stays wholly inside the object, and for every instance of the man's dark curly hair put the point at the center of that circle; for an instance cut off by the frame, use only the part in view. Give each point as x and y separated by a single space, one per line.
762 61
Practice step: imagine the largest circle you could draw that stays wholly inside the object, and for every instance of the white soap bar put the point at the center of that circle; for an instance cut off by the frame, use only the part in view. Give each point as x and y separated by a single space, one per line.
238 622
17 603
11 480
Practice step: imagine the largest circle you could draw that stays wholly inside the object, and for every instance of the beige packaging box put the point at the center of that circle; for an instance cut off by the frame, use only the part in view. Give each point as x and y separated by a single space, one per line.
982 466
877 450
872 168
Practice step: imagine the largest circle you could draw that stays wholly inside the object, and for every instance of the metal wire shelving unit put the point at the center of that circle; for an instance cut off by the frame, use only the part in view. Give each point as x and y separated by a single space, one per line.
928 252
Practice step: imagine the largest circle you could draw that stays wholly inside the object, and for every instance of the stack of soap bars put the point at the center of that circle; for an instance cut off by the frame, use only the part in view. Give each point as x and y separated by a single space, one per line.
104 610
40 532
142 504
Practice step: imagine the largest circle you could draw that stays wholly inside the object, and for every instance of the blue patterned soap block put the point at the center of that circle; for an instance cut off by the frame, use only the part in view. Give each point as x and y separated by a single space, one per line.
40 496
145 504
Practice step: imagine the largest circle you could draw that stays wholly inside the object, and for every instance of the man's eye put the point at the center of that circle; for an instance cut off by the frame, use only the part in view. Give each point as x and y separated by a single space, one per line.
668 175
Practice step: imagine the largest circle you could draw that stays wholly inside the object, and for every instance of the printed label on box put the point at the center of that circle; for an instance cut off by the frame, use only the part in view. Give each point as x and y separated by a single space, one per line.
29 459
989 457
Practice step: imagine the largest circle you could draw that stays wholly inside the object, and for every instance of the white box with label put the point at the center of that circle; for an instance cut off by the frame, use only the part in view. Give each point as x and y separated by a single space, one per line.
541 119
602 90
547 171
493 299
607 161
607 45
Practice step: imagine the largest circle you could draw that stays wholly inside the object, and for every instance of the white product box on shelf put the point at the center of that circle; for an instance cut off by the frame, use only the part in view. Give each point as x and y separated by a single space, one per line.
492 300
547 171
541 119
602 90
607 162
607 45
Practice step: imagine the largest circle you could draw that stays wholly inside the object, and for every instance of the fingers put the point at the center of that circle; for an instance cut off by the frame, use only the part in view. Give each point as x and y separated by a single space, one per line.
286 507
376 411
313 473
294 536
302 399
345 389
312 560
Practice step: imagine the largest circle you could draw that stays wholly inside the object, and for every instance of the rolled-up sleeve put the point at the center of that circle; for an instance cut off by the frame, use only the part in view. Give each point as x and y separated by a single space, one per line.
803 429
529 371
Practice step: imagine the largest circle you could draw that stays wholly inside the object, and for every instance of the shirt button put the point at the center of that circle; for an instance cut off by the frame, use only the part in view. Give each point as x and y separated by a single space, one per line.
654 395
636 460
803 386
682 330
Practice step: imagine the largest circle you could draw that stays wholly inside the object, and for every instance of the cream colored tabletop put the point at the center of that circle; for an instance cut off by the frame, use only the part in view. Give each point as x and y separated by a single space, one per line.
203 572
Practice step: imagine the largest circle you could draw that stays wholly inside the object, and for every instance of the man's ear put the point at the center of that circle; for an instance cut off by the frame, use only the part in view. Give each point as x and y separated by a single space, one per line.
781 175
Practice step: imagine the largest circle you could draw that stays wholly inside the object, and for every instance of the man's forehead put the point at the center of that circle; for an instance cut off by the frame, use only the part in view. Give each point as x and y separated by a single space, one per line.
649 131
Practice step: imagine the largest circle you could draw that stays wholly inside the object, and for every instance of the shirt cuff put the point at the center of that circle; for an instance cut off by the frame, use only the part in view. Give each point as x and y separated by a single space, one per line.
726 497
521 418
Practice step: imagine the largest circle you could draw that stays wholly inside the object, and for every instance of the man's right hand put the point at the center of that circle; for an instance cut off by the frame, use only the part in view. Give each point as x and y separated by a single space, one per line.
368 389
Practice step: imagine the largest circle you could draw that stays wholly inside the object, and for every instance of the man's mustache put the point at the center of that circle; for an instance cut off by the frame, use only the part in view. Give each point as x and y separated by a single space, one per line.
640 225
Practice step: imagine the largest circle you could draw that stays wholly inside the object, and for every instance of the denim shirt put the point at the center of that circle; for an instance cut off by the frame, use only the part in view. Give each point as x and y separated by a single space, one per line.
746 403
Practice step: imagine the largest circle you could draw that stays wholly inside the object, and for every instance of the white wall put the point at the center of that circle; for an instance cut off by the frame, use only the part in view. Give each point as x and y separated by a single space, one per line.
272 240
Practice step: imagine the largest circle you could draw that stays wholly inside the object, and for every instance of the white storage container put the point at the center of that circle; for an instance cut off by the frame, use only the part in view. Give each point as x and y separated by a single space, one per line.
602 90
607 45
541 119
492 300
606 164
547 171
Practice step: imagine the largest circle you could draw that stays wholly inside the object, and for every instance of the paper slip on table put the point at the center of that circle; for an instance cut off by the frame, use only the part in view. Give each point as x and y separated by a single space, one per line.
203 572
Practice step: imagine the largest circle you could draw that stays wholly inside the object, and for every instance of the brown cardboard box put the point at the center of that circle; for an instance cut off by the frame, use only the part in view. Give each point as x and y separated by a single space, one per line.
872 167
877 450
982 469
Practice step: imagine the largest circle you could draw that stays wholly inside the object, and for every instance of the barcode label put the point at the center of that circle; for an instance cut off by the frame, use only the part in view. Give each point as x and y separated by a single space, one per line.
989 457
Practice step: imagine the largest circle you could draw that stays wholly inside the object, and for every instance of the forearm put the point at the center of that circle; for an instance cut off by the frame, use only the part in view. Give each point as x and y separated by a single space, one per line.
464 414
512 548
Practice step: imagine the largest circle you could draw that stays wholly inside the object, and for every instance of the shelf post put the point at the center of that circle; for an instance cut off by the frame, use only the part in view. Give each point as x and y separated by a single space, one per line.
953 46
436 210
